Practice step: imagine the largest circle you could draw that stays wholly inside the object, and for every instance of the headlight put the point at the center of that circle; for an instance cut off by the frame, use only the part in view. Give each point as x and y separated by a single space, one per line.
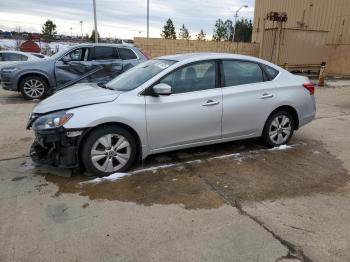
8 70
53 120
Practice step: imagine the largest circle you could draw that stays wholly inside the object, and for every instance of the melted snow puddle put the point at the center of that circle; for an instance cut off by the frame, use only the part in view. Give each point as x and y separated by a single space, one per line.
236 156
28 165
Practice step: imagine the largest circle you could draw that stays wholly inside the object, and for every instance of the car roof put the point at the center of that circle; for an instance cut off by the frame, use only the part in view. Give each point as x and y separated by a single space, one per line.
103 44
15 52
189 57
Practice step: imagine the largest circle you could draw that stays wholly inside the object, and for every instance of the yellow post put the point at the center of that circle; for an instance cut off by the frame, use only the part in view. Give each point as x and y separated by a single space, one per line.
322 74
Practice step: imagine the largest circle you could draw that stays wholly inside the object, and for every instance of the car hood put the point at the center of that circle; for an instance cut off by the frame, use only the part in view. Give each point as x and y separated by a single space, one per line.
76 96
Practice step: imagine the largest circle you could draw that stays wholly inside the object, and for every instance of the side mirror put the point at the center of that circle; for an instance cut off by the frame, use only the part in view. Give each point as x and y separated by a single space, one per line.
162 89
66 59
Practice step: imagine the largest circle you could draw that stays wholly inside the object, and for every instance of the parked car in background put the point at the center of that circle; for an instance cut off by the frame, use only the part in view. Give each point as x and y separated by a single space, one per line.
35 79
7 34
10 58
170 103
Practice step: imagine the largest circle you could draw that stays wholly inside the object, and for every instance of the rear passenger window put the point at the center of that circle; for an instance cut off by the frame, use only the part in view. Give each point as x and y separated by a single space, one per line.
105 53
14 57
241 73
271 72
126 54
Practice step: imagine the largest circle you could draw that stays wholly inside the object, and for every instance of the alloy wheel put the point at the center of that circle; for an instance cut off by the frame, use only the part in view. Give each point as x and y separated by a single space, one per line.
34 88
280 129
110 153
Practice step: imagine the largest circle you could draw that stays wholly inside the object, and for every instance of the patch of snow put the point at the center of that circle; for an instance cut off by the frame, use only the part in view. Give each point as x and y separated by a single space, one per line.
197 161
28 165
112 177
235 155
155 168
281 147
316 152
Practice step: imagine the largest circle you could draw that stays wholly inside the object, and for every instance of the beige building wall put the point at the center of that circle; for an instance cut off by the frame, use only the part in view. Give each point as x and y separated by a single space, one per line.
332 16
339 60
316 31
298 47
156 47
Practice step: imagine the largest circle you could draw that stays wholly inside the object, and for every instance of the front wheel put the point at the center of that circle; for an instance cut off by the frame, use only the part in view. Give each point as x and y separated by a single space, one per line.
108 150
33 87
278 129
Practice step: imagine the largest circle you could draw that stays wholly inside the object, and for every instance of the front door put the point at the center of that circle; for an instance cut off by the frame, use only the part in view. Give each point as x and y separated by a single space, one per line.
73 65
191 114
247 98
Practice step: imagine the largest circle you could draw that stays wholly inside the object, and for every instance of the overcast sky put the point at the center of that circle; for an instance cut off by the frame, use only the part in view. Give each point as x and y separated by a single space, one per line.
119 18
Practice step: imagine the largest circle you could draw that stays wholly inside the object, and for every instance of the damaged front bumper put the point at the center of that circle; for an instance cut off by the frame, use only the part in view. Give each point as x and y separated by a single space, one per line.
59 147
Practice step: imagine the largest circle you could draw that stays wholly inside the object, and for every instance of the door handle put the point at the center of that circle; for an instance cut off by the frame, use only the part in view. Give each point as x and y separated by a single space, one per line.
211 103
266 96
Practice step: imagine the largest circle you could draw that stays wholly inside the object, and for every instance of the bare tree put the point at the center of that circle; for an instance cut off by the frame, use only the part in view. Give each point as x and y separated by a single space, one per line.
18 37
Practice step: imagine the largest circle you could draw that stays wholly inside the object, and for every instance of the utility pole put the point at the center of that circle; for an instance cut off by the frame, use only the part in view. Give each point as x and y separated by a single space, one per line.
236 16
147 18
81 29
95 22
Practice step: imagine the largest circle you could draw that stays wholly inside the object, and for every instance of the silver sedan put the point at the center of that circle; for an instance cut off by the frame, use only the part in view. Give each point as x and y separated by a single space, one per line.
170 103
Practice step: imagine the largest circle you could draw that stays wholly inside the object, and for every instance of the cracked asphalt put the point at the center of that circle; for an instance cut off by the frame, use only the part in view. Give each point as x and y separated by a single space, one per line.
229 202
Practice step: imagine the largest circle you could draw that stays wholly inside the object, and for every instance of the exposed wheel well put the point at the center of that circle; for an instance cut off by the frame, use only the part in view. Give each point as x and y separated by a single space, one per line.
118 124
292 111
33 74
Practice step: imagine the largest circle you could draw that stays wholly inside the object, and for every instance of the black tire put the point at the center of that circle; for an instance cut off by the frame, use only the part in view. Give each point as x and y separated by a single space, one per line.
92 138
268 141
40 92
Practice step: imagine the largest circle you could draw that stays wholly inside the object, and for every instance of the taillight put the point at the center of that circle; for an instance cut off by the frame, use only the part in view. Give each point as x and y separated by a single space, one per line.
144 53
310 87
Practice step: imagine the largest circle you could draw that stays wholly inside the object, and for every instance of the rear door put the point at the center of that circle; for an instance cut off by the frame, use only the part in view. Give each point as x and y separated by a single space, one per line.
106 58
248 98
73 65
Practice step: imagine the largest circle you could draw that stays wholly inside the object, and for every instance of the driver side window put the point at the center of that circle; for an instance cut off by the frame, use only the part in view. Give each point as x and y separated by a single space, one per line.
194 77
80 54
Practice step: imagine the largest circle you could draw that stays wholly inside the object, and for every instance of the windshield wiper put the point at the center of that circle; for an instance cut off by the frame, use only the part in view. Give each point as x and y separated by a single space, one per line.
103 85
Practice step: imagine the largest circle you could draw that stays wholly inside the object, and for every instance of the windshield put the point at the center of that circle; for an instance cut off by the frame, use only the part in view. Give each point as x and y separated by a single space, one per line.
139 74
59 53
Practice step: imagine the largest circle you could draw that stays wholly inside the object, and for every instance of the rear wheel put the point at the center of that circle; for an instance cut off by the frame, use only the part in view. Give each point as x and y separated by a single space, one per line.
278 129
33 87
108 150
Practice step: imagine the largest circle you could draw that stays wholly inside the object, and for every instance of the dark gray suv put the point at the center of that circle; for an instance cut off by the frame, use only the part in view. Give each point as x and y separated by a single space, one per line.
80 63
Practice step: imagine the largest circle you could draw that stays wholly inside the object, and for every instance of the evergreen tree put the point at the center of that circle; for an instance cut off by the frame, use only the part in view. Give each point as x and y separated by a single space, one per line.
184 34
49 30
169 30
244 30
